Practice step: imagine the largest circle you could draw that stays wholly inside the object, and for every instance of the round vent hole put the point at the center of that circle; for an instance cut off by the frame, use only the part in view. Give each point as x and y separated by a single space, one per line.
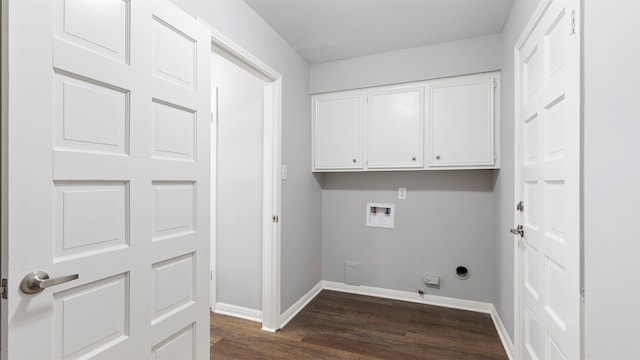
462 272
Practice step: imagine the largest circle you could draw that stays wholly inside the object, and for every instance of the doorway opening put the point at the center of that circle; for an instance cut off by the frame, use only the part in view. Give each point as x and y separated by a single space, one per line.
264 207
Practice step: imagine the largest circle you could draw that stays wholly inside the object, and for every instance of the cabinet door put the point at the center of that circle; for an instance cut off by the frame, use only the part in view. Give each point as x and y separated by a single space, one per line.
461 122
396 127
338 131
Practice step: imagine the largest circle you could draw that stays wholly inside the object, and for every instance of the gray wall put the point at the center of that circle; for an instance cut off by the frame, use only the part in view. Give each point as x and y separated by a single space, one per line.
301 194
612 179
239 184
427 62
503 297
447 218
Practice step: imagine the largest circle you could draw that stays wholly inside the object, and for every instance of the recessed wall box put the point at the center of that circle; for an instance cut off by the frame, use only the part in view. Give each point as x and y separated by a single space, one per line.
380 215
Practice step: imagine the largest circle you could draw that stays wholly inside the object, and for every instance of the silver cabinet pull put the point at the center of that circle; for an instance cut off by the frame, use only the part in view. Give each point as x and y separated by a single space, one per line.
37 281
518 231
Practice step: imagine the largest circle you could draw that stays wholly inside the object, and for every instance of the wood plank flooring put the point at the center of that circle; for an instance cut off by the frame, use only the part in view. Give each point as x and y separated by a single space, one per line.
345 326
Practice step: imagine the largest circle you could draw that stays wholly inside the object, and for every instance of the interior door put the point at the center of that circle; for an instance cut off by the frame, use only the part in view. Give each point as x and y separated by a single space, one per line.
548 183
105 175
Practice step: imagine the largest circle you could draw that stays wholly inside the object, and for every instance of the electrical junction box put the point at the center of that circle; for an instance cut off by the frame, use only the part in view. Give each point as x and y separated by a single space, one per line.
380 215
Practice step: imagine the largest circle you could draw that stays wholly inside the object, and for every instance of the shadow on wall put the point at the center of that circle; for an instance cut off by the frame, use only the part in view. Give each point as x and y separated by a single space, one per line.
440 180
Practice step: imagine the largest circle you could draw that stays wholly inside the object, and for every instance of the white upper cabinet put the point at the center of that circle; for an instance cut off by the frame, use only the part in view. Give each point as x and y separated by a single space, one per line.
462 122
395 123
444 124
338 120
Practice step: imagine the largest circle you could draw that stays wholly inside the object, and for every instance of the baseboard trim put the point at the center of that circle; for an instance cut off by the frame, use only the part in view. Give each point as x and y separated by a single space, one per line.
238 311
502 333
443 301
292 311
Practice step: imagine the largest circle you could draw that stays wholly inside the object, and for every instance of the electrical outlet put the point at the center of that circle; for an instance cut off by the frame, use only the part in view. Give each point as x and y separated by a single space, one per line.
431 280
402 193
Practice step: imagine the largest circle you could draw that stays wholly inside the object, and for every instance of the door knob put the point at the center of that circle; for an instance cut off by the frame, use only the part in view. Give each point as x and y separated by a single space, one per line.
37 281
518 231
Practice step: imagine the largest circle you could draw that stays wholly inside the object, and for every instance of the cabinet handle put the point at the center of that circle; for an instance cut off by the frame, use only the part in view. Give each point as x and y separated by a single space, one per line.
354 161
413 158
437 157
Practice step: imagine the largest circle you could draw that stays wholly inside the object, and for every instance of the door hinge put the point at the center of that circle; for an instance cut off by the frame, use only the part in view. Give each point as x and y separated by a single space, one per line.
275 219
4 289
495 84
572 23
520 206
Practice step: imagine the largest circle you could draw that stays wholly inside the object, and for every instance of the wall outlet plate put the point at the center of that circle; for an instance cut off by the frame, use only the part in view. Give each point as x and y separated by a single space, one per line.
431 280
402 193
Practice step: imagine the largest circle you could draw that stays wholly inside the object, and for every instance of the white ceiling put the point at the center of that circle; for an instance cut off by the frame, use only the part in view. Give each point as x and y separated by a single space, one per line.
327 30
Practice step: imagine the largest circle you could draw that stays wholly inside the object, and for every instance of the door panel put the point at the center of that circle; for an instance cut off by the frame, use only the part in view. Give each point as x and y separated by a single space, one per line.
462 121
79 329
101 27
90 117
108 178
549 175
395 126
338 121
174 132
79 233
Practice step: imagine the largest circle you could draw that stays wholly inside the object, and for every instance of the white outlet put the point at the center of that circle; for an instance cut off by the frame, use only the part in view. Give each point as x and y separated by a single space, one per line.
431 280
402 193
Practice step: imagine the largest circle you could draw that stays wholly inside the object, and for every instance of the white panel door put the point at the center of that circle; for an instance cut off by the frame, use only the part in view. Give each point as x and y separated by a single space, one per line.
395 125
105 175
548 183
338 126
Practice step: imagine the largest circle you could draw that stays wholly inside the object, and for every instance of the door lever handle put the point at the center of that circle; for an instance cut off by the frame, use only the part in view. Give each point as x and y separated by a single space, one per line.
37 281
518 231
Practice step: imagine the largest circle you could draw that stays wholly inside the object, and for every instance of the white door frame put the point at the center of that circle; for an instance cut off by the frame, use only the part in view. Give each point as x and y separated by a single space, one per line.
271 179
518 191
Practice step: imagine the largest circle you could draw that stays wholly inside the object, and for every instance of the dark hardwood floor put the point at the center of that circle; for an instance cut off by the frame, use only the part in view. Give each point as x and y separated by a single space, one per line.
345 326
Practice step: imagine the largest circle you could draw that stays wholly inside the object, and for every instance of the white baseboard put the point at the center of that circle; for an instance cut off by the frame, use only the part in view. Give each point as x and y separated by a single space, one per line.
448 302
292 311
238 311
502 332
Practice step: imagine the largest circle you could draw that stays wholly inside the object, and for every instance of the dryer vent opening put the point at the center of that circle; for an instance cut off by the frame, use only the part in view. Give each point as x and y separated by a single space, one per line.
462 272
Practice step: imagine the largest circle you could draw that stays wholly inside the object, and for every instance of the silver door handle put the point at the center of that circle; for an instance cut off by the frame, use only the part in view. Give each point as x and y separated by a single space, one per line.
37 281
518 231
